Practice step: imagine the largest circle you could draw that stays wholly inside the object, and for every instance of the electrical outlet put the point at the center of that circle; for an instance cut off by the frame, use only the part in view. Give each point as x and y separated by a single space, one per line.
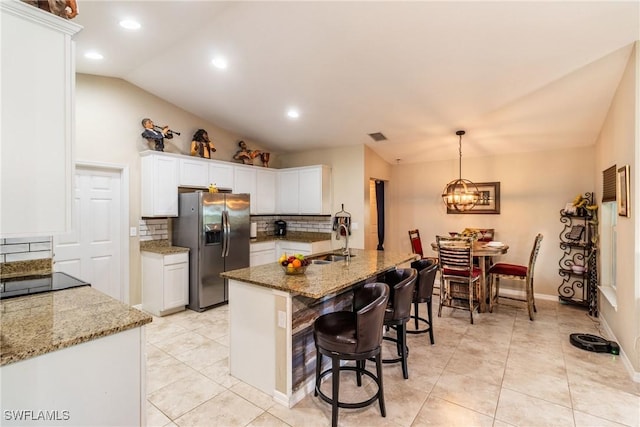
282 319
133 232
354 225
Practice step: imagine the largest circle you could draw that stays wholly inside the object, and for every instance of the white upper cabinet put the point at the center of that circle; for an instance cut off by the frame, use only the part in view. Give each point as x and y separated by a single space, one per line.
221 174
194 173
305 190
245 182
37 139
159 178
266 195
288 185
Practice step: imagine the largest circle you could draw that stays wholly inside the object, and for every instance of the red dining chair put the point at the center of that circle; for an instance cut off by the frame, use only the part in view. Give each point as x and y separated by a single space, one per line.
515 272
416 243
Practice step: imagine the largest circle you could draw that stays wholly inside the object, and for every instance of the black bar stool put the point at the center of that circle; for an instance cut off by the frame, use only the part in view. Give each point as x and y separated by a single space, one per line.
352 335
427 270
401 281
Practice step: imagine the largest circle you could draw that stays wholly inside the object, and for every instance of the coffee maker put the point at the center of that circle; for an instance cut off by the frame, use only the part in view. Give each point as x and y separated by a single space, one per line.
280 228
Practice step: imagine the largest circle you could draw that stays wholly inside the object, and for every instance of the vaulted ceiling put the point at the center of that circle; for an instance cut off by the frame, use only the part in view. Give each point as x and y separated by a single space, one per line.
517 76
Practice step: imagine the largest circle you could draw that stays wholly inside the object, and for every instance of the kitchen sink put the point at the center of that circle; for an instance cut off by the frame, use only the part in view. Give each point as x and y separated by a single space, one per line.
328 258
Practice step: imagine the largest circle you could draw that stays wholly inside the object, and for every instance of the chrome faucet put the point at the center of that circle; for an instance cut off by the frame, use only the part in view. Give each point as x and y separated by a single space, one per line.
345 250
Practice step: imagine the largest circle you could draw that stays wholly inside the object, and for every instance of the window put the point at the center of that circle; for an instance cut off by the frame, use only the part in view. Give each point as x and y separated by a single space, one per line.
608 238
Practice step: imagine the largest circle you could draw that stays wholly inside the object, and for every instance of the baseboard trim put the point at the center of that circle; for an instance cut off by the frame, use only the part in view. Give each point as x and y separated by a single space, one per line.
635 375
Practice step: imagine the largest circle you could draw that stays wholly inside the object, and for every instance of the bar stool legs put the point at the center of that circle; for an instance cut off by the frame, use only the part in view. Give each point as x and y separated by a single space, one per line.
359 369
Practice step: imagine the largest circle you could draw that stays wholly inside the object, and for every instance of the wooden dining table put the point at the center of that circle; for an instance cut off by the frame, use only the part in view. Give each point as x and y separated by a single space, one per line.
482 250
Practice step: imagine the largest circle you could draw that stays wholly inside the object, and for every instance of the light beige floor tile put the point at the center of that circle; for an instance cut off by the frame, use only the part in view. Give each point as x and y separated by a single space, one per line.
225 409
155 417
203 355
481 368
267 420
522 410
212 328
467 391
605 402
185 394
162 331
165 372
253 395
181 343
586 420
536 357
309 412
154 354
552 388
438 412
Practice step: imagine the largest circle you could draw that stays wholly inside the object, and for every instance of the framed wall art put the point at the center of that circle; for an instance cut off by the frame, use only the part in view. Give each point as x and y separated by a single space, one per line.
622 195
489 202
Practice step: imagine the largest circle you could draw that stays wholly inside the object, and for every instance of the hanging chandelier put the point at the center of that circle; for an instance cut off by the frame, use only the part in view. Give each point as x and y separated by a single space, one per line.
461 194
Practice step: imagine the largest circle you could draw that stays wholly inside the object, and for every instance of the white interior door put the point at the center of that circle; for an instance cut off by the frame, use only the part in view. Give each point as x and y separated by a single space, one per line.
92 250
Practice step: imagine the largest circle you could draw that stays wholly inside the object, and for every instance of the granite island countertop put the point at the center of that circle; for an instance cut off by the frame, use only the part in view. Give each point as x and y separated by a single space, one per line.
38 324
320 280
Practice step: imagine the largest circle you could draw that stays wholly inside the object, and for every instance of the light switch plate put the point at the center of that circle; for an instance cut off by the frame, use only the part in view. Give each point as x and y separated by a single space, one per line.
133 231
282 319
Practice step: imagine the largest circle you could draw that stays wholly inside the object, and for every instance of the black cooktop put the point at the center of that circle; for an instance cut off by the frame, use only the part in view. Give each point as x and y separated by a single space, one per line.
27 285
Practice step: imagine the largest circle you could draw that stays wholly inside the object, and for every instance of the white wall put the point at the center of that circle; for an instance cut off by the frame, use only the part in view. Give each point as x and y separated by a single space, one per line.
108 128
534 187
618 144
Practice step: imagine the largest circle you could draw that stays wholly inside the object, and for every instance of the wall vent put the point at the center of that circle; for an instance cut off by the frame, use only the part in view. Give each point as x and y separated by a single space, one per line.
378 136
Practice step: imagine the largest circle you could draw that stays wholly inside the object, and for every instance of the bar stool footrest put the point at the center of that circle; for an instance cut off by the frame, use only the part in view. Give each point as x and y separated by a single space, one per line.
349 405
419 331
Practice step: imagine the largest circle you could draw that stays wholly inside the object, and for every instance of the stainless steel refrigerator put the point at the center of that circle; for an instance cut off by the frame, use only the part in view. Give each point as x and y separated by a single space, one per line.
215 227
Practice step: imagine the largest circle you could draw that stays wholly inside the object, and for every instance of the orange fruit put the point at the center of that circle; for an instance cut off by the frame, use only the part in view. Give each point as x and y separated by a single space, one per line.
296 263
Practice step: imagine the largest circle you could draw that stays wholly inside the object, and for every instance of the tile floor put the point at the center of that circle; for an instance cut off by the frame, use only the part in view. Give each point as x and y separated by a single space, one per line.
502 371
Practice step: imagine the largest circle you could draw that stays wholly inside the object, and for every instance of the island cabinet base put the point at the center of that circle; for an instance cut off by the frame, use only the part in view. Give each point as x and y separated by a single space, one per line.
271 338
97 383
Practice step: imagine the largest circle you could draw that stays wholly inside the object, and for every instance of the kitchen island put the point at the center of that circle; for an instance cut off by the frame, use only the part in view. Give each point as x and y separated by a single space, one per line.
271 318
73 357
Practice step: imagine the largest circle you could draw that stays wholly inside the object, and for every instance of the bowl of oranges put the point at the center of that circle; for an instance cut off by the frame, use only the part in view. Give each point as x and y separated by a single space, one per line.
293 264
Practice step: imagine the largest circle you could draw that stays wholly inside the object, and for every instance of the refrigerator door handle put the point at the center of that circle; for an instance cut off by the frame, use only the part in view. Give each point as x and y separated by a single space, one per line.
227 231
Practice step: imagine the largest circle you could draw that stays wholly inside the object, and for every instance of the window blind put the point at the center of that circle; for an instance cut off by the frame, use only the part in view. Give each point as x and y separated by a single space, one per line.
609 184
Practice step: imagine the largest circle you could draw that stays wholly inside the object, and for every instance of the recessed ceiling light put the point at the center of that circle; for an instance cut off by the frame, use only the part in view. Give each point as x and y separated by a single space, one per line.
93 55
293 113
219 62
130 24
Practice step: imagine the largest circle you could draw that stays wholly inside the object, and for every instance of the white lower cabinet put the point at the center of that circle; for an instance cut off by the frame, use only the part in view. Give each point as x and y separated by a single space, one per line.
165 282
290 248
98 382
262 253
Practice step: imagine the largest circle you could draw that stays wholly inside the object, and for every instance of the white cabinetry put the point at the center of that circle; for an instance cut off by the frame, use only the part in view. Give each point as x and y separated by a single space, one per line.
245 182
99 382
165 282
290 248
221 174
194 173
262 253
37 96
266 196
159 176
305 191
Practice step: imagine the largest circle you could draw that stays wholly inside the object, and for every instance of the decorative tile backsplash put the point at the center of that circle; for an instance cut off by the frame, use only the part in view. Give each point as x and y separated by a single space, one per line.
25 248
154 229
311 224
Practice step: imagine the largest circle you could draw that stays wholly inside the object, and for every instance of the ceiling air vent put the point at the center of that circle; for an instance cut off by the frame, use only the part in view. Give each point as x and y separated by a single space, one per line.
378 136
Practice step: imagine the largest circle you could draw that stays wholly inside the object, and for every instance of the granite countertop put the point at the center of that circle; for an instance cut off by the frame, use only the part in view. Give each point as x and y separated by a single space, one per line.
37 324
161 247
320 280
34 267
293 236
